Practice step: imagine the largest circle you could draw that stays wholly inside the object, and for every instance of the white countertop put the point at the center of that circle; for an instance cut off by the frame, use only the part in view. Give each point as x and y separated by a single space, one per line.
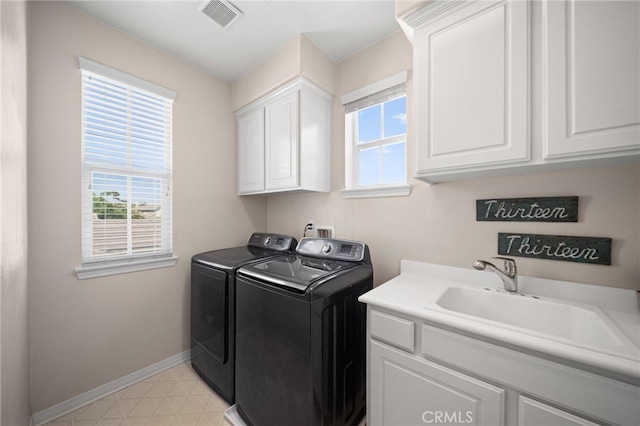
419 285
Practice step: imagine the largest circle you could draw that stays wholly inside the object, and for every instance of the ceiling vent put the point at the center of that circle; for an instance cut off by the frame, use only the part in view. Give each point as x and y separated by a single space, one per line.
221 11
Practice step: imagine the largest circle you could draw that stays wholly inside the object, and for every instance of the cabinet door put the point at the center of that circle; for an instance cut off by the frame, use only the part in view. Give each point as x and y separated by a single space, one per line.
591 78
535 413
281 142
471 87
251 152
407 390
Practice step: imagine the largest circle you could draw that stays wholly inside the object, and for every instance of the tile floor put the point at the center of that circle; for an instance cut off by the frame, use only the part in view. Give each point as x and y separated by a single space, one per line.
176 396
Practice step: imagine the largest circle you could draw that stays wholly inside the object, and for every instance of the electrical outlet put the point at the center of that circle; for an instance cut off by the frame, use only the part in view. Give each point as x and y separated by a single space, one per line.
311 227
325 231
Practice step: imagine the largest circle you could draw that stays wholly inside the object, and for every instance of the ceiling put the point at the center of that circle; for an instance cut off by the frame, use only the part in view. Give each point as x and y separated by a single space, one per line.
340 28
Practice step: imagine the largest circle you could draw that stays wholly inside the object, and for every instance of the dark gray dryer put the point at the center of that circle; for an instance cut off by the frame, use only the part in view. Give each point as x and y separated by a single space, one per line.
213 276
300 336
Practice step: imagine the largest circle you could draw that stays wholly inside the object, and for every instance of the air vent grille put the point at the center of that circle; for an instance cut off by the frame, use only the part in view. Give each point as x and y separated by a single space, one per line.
221 11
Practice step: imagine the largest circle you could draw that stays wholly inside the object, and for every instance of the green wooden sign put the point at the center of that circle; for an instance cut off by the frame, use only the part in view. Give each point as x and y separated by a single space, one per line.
556 247
539 209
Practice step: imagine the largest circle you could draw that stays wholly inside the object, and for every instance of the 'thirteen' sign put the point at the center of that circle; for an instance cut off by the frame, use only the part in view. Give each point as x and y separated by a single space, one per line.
556 247
541 209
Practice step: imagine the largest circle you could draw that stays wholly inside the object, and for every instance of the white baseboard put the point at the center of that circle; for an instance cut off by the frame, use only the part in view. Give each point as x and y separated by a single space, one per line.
233 417
76 402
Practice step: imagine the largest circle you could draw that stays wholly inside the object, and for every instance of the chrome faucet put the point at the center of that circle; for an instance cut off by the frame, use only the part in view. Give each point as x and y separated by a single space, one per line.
509 276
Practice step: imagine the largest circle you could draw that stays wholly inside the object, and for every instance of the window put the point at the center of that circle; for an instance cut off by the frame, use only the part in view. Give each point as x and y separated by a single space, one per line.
126 173
376 139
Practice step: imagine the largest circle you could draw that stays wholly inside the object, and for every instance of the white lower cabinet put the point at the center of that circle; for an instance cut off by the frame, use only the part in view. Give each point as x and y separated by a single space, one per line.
407 390
421 374
535 413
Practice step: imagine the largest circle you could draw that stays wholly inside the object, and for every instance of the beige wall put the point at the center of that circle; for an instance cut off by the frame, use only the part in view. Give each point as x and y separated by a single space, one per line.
317 66
297 57
14 331
278 69
87 333
436 223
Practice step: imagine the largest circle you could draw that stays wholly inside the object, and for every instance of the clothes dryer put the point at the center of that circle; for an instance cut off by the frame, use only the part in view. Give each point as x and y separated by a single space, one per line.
213 297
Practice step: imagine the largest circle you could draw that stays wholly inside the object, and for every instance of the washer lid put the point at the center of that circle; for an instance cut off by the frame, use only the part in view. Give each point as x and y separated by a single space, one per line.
295 272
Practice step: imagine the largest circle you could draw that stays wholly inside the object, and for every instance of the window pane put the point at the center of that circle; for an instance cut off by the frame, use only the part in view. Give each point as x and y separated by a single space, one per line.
394 163
145 190
369 166
369 124
109 214
395 117
109 196
146 214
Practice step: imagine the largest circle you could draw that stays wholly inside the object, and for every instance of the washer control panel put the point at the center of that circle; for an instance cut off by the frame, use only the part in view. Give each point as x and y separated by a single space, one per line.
272 241
330 248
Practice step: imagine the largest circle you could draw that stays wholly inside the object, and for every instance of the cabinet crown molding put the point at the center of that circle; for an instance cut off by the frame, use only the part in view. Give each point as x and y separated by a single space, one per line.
428 13
297 83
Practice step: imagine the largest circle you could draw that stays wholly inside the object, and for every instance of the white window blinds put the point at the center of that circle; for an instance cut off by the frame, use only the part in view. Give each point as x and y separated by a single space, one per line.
126 166
377 98
381 91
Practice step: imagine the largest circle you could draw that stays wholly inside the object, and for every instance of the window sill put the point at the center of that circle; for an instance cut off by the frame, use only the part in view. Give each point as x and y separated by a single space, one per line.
123 267
379 191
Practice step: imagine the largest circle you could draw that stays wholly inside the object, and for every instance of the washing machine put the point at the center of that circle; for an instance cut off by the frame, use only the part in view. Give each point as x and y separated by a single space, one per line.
300 336
213 295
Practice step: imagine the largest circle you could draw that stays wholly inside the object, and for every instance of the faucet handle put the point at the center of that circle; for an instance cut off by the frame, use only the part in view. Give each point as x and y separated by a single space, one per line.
509 264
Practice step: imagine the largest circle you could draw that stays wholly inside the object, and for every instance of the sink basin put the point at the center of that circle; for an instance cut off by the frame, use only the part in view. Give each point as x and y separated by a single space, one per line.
576 324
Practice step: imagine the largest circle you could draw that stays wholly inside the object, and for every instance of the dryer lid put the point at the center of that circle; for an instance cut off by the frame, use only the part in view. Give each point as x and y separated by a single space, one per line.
260 246
232 258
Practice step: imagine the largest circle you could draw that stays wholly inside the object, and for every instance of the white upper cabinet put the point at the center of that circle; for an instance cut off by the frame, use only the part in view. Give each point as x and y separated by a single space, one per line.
281 142
503 87
284 141
591 78
471 80
251 152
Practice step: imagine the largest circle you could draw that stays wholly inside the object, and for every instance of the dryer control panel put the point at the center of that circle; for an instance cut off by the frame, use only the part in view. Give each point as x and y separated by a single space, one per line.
331 248
272 241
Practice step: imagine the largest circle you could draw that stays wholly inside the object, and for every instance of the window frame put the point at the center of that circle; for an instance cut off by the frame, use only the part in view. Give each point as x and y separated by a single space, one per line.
162 256
353 147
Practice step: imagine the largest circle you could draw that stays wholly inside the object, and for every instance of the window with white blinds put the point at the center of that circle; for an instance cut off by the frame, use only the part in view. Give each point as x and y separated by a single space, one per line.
126 168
